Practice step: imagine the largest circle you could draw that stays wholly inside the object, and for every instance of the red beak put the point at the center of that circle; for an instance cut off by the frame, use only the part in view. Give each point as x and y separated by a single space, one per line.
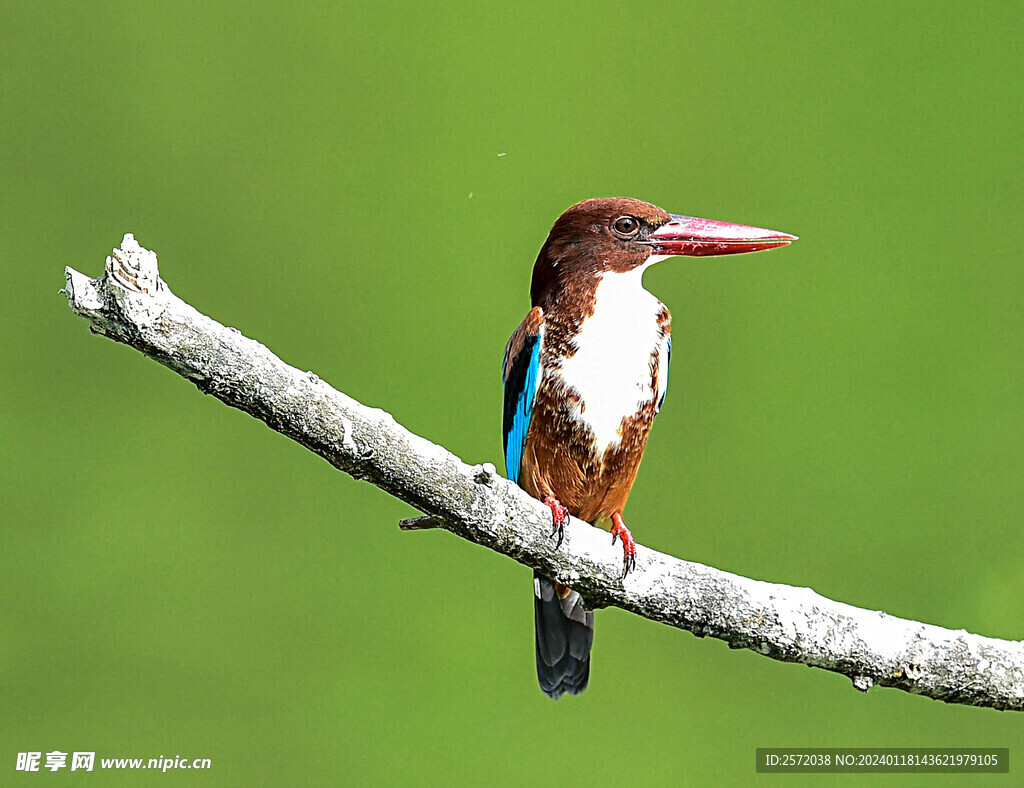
693 237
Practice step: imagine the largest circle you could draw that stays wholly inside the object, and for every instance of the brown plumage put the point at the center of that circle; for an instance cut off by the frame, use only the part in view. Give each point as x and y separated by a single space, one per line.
585 375
558 459
562 461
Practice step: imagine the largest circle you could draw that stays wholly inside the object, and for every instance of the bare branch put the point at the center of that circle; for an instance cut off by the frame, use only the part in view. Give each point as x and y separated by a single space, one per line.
419 523
131 304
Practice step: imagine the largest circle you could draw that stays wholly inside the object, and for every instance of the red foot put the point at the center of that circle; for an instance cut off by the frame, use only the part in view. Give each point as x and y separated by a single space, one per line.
559 517
619 530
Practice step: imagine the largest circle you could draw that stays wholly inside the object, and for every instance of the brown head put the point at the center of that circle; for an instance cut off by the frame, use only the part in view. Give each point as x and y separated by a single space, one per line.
619 234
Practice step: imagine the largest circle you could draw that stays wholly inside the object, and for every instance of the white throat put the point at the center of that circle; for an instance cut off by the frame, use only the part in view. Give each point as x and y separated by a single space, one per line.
611 368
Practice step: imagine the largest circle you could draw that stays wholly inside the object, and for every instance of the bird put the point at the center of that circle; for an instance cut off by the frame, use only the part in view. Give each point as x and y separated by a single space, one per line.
584 375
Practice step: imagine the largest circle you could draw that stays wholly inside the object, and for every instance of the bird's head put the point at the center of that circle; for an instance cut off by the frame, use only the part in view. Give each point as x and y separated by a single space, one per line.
619 235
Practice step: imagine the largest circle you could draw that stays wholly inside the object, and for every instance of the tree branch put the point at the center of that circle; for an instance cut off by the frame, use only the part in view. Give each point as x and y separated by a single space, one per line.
131 304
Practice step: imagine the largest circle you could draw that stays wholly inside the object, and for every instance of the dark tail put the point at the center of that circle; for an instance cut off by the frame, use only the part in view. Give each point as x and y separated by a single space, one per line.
565 633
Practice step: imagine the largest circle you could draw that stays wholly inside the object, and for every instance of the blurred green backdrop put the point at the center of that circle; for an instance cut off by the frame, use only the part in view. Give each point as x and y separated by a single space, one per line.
364 187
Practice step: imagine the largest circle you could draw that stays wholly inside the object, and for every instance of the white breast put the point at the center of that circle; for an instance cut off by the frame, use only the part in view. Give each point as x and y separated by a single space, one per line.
611 369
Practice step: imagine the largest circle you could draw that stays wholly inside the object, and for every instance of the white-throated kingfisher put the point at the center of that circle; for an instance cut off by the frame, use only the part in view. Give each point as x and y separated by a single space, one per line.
585 374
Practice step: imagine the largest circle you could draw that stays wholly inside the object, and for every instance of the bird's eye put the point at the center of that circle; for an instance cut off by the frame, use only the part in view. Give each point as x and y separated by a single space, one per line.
626 225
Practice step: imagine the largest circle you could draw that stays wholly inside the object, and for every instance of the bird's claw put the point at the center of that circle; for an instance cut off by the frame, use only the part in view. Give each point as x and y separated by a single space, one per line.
619 530
559 517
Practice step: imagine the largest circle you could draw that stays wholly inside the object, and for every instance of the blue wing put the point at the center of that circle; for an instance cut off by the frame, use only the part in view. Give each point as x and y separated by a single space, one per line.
521 376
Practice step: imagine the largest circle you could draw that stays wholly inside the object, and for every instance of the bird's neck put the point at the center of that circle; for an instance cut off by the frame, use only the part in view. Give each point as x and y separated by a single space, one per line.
611 299
622 296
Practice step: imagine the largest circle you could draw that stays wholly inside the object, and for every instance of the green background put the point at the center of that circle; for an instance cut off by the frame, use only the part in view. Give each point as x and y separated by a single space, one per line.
364 189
